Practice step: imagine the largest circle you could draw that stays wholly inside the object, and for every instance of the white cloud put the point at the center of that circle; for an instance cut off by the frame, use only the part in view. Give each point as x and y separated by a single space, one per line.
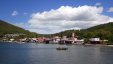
14 13
110 9
98 4
67 17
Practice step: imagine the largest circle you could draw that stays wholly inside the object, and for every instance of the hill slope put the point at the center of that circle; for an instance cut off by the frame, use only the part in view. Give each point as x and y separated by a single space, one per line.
105 27
104 31
7 28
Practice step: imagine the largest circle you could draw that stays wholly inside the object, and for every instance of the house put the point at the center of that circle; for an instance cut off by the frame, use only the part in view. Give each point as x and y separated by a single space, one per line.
73 39
95 40
41 39
55 40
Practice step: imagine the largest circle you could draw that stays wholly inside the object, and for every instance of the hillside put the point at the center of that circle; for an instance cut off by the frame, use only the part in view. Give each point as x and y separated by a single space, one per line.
104 31
7 28
105 27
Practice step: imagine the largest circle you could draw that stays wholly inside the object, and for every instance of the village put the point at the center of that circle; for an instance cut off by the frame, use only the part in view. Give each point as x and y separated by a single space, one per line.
58 40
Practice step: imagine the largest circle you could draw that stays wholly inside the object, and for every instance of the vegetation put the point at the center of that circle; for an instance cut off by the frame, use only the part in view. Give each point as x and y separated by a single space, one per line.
6 28
103 31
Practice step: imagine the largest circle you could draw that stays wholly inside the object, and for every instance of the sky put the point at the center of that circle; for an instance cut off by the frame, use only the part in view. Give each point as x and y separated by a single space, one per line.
52 16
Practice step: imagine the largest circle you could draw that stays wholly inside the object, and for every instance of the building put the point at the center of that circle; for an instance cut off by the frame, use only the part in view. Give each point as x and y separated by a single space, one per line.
95 40
55 40
72 40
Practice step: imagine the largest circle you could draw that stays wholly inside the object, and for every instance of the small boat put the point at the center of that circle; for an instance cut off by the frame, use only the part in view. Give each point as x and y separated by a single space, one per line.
59 48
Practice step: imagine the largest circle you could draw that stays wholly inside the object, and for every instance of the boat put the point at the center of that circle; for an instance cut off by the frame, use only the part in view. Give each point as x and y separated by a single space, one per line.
59 48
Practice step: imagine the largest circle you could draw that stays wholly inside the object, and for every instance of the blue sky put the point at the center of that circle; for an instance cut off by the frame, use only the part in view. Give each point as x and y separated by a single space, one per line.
22 12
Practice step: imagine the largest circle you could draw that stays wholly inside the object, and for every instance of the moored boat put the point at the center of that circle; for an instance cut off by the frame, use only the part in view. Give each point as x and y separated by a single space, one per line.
59 48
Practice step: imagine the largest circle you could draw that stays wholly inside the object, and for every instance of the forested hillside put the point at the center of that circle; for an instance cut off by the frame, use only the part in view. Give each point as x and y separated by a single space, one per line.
7 28
104 31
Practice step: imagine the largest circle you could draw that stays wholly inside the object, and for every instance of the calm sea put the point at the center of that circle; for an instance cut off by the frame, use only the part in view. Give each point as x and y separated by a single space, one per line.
32 53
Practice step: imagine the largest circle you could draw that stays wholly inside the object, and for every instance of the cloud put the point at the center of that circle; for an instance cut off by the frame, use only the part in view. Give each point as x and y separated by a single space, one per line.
14 13
98 4
110 9
67 17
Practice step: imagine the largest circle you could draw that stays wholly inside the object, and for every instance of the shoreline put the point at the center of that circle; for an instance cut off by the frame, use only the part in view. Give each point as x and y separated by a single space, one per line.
65 44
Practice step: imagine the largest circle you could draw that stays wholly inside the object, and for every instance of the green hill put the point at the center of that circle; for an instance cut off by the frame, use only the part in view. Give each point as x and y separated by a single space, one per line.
7 28
104 31
105 27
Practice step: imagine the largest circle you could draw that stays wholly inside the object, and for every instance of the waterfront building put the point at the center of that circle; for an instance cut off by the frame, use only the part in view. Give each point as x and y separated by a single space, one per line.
98 41
11 40
72 40
55 40
63 40
41 39
95 40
